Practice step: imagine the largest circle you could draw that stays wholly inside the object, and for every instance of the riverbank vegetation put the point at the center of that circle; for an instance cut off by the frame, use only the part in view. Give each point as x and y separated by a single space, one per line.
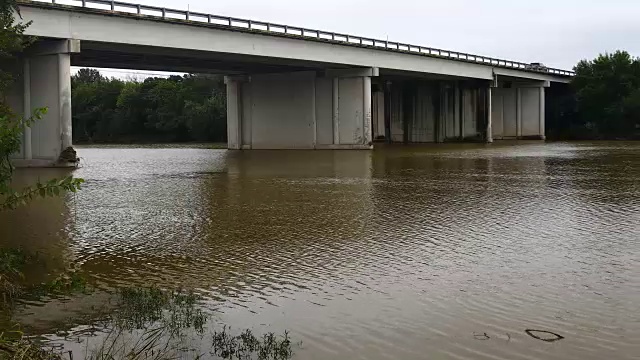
189 108
131 324
602 102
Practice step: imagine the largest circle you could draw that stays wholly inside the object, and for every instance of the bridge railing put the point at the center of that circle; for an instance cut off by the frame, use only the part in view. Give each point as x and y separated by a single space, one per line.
295 31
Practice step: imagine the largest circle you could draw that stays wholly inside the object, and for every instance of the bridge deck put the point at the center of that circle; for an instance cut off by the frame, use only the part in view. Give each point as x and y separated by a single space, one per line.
137 11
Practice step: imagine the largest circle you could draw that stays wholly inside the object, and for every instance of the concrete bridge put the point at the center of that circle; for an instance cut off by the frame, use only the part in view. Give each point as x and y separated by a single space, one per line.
287 87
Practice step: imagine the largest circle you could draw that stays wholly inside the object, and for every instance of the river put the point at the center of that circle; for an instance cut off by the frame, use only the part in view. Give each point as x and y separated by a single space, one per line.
449 251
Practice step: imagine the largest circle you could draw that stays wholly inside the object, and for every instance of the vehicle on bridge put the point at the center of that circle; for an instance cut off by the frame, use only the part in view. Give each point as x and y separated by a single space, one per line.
536 66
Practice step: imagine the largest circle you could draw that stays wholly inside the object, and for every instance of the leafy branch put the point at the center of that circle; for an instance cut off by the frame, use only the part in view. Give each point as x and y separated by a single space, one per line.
51 188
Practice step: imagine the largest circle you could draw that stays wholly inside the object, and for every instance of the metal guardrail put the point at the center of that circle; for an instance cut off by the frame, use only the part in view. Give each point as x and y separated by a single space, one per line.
304 33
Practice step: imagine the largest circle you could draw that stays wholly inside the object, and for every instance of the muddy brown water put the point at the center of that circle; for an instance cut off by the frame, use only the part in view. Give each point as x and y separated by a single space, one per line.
419 252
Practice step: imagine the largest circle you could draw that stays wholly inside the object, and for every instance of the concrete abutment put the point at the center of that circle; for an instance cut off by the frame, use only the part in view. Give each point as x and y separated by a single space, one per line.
44 81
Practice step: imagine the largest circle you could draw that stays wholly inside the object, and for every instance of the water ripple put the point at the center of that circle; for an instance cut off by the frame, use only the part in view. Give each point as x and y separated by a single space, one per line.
397 253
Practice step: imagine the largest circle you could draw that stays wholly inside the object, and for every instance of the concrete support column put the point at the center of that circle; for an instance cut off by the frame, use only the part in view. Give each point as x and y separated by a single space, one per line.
489 131
336 111
352 107
314 116
47 84
518 113
64 84
458 111
300 110
366 107
234 114
408 111
438 112
387 111
27 146
531 110
542 114
462 113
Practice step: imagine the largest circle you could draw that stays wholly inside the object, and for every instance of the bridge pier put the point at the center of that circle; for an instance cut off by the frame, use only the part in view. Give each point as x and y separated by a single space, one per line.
518 110
301 110
419 111
44 81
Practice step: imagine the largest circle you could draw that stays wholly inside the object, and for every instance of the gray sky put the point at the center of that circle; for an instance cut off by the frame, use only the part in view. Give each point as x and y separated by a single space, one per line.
555 32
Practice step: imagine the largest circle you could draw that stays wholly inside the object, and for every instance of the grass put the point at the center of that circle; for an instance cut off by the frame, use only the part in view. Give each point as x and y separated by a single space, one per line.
147 323
24 349
12 262
248 346
174 310
160 319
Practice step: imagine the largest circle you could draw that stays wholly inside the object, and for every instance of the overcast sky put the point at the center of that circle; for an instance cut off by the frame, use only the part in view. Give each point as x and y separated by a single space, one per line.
557 33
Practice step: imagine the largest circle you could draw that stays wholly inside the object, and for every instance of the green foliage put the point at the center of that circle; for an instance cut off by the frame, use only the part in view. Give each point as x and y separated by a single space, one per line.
13 263
94 108
177 109
53 187
607 95
247 346
11 129
141 308
70 282
88 76
158 319
12 41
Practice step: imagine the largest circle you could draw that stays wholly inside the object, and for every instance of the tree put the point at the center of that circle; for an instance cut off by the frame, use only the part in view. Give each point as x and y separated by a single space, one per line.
94 109
607 93
12 42
206 121
87 76
178 108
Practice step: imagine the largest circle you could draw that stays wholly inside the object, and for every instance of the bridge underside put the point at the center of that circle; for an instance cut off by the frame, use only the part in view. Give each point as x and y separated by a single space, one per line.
418 111
276 103
350 109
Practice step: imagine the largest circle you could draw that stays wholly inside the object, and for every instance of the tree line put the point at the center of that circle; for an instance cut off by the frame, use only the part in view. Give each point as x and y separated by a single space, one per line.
175 109
602 101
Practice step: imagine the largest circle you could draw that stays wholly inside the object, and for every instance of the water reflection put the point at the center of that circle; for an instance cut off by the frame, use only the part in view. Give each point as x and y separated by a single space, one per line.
40 228
395 253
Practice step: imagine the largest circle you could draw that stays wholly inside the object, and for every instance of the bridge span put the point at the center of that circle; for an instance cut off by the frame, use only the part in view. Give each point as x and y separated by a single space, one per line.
287 87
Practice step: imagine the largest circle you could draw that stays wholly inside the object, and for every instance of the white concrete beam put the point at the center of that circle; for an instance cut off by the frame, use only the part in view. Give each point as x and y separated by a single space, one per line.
523 74
352 72
41 48
63 23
